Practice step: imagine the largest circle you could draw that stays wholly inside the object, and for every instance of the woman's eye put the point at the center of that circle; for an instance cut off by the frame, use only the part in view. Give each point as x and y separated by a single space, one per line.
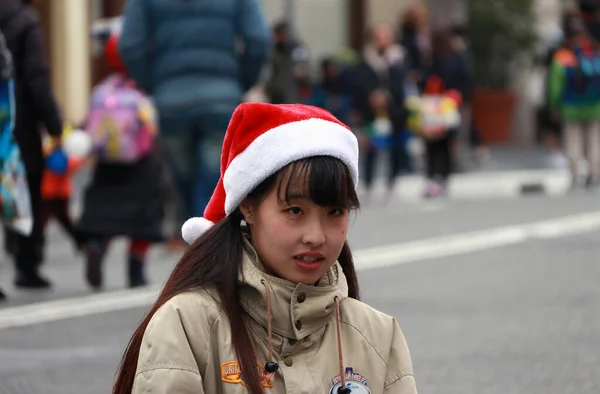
294 210
336 212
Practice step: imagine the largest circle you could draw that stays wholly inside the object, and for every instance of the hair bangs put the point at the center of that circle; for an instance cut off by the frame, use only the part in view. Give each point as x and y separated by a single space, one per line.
324 180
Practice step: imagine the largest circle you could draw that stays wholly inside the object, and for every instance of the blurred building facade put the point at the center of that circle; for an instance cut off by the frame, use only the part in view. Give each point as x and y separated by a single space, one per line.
75 62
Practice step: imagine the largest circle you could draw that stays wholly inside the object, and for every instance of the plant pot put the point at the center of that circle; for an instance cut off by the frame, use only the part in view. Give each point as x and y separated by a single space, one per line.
493 111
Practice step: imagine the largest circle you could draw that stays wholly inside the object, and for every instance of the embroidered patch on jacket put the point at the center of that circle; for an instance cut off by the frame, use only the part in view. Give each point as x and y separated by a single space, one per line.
231 373
354 381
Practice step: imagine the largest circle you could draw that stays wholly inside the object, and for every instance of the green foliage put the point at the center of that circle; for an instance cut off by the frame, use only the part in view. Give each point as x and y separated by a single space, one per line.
501 32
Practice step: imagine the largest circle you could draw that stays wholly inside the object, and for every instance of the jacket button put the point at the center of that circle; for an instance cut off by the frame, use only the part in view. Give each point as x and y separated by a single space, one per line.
288 361
292 341
298 325
301 297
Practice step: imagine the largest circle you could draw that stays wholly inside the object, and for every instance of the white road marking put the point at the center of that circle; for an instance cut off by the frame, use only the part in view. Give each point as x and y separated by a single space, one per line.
371 258
410 252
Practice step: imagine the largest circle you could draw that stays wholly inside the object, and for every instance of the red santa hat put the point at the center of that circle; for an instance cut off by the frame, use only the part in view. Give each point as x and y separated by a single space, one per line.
262 139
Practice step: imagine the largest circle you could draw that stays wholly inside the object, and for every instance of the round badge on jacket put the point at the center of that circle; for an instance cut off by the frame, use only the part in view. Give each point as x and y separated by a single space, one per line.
355 388
354 381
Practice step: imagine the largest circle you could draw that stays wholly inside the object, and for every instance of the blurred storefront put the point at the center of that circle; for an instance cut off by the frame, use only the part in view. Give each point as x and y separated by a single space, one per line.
75 61
327 26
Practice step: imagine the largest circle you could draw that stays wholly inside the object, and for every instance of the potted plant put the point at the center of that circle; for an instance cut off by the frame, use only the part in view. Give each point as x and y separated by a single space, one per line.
502 35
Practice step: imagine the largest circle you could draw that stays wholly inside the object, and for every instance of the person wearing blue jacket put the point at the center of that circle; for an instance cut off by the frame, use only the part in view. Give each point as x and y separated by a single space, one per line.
186 56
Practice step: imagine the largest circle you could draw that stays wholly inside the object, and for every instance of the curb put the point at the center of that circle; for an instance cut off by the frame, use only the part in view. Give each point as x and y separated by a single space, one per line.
497 184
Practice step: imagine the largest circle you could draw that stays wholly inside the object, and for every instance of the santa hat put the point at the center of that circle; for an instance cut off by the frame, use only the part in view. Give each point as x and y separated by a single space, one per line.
262 139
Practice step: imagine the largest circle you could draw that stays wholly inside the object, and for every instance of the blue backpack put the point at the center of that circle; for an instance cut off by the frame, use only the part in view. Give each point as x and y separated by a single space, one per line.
583 78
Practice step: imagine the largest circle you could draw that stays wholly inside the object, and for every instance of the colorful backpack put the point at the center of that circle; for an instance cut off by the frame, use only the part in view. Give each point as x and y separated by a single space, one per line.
583 76
121 122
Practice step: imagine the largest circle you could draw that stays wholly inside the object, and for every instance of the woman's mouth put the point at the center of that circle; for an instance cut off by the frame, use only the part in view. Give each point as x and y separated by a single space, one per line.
309 262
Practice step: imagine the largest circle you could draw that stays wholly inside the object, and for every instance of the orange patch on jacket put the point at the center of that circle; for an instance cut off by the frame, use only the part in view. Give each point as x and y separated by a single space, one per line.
232 373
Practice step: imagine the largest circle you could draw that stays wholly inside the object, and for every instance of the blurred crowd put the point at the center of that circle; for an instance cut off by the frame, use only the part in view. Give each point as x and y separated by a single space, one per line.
178 71
369 91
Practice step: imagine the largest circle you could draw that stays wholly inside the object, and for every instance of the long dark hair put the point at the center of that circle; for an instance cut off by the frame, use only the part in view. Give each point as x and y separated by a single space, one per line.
215 260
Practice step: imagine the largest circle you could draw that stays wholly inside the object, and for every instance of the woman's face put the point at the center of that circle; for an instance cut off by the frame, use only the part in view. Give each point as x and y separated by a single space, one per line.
296 240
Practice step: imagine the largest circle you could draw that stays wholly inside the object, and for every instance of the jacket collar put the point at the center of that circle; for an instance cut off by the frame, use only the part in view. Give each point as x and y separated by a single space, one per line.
297 309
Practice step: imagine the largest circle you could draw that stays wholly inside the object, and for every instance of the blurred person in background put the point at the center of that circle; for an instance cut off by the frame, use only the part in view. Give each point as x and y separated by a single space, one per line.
332 91
472 137
6 127
378 102
449 70
589 11
35 106
413 36
574 97
550 126
185 55
288 69
125 195
57 189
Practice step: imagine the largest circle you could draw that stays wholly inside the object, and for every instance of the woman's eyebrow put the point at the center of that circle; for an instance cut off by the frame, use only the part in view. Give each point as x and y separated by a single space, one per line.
293 197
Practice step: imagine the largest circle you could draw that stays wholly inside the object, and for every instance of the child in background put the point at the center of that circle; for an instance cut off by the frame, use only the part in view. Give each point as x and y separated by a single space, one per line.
125 196
57 188
383 134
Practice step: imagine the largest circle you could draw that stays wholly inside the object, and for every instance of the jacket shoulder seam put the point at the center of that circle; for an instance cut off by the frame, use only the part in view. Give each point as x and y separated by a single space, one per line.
220 310
366 339
168 366
395 378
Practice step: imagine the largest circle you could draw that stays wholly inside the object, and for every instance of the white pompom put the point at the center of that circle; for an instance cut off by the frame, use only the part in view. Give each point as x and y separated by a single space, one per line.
77 144
194 227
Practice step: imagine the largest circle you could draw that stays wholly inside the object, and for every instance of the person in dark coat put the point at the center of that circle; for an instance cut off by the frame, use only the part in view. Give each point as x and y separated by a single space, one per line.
122 199
413 37
383 71
35 106
196 59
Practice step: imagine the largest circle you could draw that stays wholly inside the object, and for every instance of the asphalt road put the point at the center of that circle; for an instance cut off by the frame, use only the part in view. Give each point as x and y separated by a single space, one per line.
494 297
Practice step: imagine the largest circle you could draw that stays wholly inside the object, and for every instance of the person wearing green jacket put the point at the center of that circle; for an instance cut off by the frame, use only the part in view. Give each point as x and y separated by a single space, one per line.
574 97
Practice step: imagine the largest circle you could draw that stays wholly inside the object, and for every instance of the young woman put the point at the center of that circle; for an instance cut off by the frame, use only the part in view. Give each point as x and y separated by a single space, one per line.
266 299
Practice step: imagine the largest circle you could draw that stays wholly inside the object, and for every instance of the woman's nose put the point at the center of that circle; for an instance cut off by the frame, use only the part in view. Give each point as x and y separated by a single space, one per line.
314 233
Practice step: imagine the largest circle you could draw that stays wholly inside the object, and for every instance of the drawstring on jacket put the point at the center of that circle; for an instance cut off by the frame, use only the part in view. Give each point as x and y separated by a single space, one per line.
338 322
272 366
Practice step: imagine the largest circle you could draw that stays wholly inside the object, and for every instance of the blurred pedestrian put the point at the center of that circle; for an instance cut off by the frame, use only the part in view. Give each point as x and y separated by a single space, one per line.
126 194
6 127
187 56
35 106
332 92
574 97
57 190
413 36
378 100
288 68
450 70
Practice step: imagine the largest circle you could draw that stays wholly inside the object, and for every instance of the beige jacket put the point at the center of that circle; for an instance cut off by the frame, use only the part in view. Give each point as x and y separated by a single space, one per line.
187 346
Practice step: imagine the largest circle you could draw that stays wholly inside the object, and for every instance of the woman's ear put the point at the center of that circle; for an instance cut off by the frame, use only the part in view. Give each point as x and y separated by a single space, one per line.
246 210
